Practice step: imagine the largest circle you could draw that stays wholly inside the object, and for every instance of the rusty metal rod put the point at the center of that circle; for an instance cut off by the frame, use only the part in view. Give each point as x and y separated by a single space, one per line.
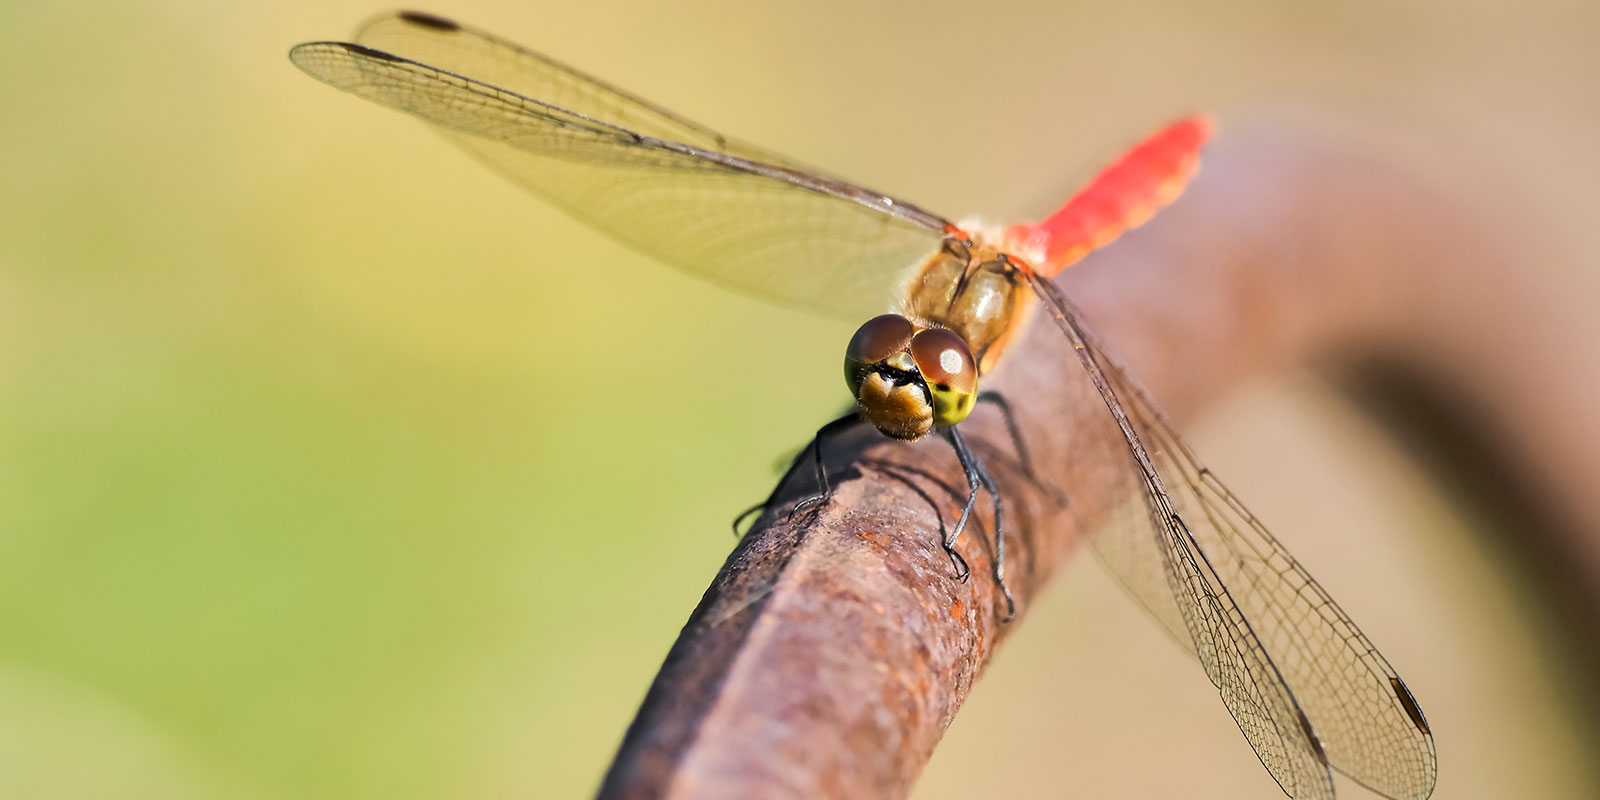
833 649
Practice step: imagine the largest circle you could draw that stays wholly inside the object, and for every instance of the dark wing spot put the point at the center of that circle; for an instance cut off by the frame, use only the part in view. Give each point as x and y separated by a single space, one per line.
1311 736
430 21
1409 703
369 52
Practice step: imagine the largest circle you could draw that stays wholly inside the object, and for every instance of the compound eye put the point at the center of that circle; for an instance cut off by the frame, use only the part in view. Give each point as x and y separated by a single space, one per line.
877 339
949 370
880 337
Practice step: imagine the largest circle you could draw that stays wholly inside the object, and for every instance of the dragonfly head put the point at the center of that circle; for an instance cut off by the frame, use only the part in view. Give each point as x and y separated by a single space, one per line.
907 381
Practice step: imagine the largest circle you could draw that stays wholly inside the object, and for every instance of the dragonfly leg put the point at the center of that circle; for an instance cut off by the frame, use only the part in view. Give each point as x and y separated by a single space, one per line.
1018 442
746 514
978 477
973 484
999 538
844 423
999 400
814 447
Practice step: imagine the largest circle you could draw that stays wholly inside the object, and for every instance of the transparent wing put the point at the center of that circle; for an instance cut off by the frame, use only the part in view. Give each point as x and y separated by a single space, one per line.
484 57
718 209
1306 687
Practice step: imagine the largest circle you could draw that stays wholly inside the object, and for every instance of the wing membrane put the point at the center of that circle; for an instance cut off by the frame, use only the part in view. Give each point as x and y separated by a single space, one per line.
484 57
717 208
1306 687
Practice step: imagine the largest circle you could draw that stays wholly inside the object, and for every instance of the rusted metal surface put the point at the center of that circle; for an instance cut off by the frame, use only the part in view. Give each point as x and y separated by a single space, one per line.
834 648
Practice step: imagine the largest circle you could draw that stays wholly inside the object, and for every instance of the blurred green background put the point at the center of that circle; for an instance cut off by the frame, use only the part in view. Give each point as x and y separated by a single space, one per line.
332 465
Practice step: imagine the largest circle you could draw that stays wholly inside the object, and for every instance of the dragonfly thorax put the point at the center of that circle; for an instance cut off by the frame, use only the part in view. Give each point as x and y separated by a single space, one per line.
973 289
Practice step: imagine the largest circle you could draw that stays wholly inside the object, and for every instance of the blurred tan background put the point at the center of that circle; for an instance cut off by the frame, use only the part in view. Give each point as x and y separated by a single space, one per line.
332 465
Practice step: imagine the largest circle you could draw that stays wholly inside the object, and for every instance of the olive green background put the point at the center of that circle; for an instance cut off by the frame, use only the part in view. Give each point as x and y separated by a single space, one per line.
333 466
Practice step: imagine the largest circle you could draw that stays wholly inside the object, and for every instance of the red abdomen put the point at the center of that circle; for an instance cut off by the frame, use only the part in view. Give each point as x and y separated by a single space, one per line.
1123 196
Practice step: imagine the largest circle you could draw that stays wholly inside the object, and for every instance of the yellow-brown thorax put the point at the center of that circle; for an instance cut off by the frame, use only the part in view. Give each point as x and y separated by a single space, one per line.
972 288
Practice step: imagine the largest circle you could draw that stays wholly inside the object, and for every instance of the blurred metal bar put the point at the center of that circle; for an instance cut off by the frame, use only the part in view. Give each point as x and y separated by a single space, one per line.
832 650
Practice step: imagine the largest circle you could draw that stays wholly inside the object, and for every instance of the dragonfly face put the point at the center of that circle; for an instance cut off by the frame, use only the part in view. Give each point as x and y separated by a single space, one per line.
908 379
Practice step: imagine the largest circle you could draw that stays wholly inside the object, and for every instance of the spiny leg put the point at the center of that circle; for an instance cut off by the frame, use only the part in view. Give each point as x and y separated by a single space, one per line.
1012 430
748 513
844 423
1021 445
999 538
978 475
849 420
974 484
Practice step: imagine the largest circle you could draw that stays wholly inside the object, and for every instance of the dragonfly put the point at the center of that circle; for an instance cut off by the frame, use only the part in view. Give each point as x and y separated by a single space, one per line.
1308 690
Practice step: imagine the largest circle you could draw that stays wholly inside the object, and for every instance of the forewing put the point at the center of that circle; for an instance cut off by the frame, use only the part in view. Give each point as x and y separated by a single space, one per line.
1305 685
766 229
464 50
